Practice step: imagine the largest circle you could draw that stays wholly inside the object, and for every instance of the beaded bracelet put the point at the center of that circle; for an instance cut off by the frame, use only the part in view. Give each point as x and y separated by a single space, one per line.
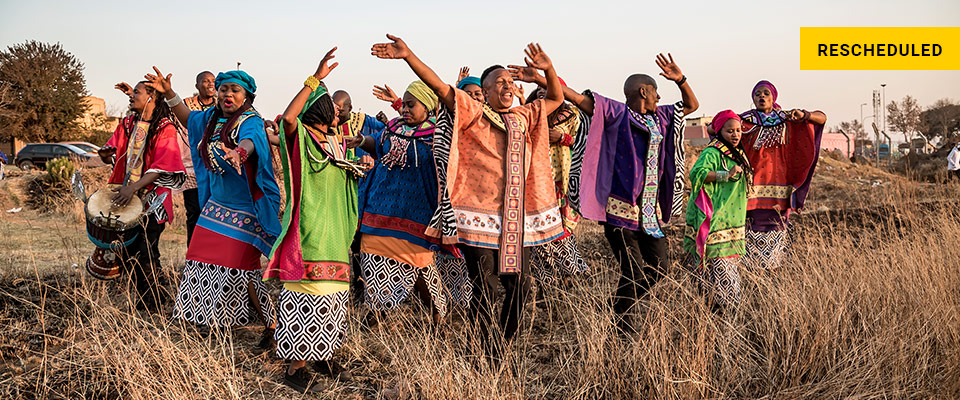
243 154
312 82
174 101
682 80
723 176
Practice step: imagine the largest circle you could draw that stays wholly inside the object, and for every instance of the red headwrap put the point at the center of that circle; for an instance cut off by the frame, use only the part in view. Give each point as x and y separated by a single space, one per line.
722 118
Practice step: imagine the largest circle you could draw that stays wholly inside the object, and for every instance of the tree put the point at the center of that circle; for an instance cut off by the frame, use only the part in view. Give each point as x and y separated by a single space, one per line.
942 119
43 88
904 117
855 127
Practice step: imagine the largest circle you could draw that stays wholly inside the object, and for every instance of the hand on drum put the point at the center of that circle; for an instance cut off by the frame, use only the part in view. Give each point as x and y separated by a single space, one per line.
123 196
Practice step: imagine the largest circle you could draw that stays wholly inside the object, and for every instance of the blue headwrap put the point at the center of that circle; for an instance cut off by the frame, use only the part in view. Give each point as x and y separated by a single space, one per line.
239 77
470 80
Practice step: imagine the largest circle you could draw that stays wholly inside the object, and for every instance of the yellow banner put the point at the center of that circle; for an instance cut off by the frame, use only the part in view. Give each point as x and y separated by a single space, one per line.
880 48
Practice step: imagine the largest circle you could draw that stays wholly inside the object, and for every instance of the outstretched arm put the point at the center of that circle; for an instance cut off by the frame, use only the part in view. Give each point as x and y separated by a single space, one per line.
398 49
161 84
817 117
530 75
672 72
289 119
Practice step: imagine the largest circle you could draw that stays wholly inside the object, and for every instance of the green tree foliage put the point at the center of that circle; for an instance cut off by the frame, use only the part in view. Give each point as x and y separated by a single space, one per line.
942 119
41 92
904 117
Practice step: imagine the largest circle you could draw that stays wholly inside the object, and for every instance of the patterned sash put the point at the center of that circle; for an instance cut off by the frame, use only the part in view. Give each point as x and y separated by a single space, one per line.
511 233
649 206
135 150
511 236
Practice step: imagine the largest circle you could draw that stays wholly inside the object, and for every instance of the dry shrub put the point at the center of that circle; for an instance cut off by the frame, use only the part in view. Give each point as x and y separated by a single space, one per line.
867 306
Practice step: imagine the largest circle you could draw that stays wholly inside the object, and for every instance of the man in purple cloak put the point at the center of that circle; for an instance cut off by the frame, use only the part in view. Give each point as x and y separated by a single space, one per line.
632 175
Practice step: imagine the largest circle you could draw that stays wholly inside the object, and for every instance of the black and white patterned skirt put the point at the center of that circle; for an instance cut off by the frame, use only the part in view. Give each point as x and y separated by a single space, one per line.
718 278
557 259
311 327
766 250
214 295
456 281
388 282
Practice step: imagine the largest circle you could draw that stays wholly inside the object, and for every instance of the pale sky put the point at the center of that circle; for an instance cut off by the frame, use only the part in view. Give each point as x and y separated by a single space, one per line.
724 47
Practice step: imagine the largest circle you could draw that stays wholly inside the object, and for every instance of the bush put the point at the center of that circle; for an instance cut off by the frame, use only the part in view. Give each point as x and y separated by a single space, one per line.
51 191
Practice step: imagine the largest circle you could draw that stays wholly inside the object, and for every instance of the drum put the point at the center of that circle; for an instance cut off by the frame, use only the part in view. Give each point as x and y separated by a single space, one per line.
109 226
104 264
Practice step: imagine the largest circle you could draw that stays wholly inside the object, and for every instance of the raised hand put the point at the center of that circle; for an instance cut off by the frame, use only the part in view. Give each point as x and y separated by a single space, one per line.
125 88
670 69
158 82
796 114
524 74
464 72
385 93
395 50
536 58
324 68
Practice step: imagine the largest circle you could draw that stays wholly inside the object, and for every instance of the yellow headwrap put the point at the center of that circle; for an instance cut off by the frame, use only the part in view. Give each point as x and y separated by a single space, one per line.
423 93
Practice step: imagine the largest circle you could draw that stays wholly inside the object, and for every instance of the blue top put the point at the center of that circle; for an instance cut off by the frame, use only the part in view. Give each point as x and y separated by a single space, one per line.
255 190
399 195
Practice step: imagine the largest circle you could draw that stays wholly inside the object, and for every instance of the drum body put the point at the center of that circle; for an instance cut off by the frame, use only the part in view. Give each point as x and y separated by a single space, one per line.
104 264
109 226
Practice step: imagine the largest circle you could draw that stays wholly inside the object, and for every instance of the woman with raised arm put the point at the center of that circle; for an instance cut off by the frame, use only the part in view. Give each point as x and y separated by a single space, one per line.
312 254
492 163
239 200
783 148
398 198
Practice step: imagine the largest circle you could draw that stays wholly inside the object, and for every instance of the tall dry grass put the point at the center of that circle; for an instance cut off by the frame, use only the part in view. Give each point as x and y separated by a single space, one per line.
867 306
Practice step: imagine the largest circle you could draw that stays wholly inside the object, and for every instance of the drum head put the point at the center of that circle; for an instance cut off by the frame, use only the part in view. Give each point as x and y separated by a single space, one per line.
101 210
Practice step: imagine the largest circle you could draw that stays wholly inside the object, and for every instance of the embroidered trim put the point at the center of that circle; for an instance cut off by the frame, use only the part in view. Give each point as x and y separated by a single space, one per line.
770 191
651 215
511 240
326 271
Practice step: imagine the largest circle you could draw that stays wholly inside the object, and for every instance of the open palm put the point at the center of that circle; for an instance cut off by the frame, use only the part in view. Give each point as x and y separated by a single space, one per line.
325 67
523 74
395 50
536 58
670 69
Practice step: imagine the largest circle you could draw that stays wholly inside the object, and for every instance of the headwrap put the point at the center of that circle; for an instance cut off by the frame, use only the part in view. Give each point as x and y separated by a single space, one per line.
773 91
423 93
470 80
721 119
314 96
239 77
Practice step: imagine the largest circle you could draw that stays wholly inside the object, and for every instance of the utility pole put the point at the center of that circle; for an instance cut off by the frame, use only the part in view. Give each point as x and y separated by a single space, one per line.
876 106
883 86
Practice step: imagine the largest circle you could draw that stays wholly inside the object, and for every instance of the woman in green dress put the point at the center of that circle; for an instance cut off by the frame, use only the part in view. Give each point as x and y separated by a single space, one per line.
717 210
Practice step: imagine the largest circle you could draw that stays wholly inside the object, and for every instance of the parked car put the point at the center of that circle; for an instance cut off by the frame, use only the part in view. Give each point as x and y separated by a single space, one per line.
85 146
37 154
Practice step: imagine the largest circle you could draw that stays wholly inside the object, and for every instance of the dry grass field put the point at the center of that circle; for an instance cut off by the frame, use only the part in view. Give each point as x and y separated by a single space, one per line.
867 307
